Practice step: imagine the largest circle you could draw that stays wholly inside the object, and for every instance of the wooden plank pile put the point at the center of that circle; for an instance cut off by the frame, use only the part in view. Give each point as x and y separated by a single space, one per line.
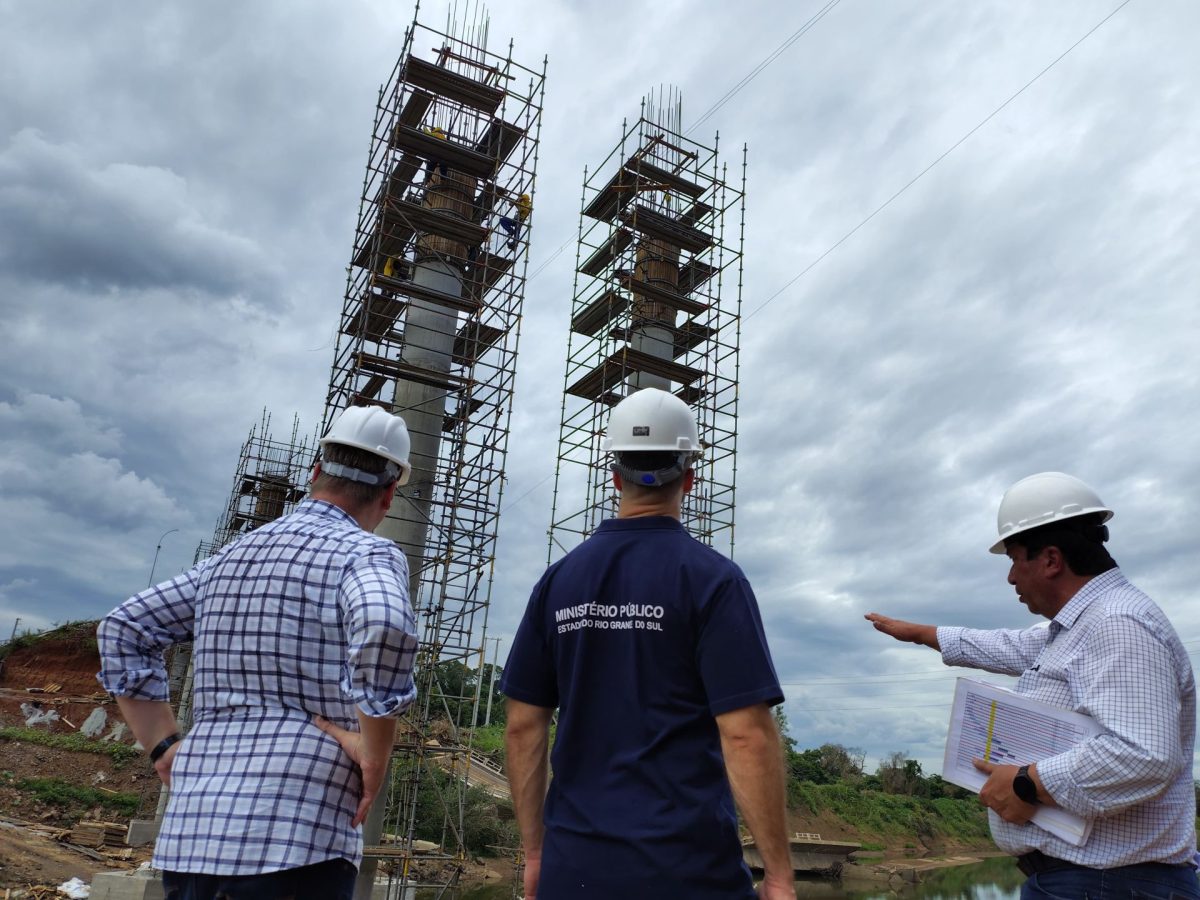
99 834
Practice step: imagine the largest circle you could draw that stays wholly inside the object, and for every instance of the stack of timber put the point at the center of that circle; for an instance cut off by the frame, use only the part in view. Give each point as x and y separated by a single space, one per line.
99 834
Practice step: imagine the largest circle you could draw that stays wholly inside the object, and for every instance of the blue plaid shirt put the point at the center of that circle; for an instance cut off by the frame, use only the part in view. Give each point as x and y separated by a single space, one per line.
1112 654
308 615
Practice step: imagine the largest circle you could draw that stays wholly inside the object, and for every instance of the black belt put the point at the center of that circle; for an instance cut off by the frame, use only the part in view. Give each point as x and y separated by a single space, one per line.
1036 861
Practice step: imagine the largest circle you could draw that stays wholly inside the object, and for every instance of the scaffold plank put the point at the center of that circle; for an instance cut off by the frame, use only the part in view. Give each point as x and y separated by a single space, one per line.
381 314
648 170
614 245
452 85
415 107
611 198
499 141
430 295
693 274
619 365
482 277
690 335
671 298
695 213
463 411
599 312
370 390
650 222
402 371
404 214
472 340
454 155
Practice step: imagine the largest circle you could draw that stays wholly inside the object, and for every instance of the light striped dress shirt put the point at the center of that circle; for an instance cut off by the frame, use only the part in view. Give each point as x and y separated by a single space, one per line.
308 615
1112 654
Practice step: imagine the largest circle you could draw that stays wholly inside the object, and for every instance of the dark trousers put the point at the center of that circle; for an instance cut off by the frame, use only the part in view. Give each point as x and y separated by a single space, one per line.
1148 881
329 880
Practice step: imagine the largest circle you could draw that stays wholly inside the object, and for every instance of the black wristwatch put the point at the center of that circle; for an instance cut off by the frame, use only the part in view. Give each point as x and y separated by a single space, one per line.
1024 787
163 746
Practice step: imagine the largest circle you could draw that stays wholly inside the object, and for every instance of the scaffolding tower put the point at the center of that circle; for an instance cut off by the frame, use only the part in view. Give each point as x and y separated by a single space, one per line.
429 330
657 303
270 479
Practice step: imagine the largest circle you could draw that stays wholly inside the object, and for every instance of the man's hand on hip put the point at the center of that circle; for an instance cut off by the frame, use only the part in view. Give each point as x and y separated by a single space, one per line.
163 766
371 756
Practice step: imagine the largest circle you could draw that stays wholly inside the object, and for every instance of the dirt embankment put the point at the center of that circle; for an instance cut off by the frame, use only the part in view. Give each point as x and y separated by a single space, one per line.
46 790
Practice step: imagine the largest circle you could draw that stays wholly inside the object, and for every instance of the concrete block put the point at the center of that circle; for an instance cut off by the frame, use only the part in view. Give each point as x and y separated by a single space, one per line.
142 832
139 885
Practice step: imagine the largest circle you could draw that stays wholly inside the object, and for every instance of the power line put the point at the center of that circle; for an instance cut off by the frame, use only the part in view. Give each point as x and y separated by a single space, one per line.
849 234
754 73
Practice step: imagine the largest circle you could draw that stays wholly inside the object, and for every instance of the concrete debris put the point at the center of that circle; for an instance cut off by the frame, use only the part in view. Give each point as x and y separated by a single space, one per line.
94 724
117 734
34 715
76 889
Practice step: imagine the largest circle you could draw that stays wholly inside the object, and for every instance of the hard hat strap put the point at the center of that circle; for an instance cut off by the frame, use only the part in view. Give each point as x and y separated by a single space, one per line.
390 473
655 477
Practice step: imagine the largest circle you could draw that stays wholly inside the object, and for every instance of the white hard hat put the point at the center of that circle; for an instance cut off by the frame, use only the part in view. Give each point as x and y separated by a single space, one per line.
1042 498
651 420
376 431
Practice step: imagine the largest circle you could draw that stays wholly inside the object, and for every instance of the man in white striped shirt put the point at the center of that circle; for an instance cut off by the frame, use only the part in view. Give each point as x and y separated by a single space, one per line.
1111 653
304 640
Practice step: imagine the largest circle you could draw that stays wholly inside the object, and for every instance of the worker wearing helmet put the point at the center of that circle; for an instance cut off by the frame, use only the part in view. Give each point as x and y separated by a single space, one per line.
303 653
651 646
1111 653
512 226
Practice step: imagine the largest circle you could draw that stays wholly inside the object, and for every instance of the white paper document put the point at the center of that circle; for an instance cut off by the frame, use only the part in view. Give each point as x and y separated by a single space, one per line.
1001 726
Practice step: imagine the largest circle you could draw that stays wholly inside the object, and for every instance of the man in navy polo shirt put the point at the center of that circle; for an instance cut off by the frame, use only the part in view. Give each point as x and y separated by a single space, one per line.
652 648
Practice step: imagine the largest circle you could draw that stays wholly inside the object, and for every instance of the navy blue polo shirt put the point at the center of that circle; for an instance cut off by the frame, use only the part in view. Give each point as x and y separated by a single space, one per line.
641 635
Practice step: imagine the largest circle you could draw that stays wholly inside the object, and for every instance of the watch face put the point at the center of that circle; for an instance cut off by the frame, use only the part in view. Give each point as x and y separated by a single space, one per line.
1024 787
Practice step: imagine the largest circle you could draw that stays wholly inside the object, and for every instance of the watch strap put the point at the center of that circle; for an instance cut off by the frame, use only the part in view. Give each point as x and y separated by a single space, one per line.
1024 786
164 745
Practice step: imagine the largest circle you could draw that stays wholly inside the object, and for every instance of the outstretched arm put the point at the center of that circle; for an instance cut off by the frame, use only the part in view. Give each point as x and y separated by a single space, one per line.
527 745
909 632
754 763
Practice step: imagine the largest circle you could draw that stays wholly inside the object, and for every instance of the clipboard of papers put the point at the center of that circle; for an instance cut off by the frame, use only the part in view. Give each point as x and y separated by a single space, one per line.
1004 727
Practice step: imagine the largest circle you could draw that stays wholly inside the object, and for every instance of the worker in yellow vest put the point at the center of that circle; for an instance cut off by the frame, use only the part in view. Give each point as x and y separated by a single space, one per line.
512 226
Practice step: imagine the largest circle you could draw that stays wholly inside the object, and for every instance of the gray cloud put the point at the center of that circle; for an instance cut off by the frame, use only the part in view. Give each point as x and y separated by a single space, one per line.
178 189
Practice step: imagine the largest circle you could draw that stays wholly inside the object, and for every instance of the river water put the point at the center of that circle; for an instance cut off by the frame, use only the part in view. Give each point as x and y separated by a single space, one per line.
991 879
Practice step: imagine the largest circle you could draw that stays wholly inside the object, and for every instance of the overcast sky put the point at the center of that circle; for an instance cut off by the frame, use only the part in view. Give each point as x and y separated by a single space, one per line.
178 185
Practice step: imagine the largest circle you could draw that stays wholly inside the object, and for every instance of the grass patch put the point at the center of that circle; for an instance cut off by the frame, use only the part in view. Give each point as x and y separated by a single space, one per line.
56 792
893 815
489 740
120 754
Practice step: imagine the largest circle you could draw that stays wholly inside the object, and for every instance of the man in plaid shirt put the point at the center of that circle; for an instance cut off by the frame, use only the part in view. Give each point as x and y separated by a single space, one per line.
1111 653
304 642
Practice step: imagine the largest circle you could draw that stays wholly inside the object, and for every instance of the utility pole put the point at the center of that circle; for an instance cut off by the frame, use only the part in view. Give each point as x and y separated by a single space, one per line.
487 718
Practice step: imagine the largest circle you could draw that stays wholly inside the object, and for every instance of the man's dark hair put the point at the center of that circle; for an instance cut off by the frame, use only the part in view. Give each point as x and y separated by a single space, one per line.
355 492
649 461
1079 539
